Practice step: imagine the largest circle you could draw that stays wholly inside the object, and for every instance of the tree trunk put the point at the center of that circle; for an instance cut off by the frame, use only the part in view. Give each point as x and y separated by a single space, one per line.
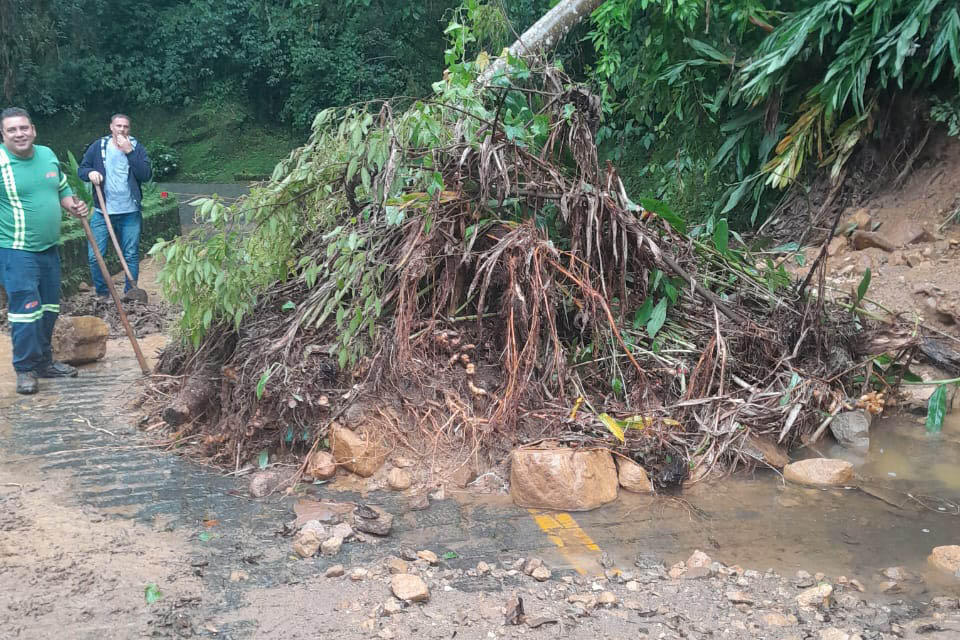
547 31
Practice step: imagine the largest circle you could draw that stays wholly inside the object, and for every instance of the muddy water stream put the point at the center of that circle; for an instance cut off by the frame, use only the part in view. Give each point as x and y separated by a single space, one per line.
759 521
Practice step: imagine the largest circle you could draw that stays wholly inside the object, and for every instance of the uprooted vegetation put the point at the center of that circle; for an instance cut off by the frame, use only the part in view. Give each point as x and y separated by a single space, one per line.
468 272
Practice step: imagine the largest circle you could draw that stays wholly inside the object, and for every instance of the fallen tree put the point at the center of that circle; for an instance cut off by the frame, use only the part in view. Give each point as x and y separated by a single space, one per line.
467 272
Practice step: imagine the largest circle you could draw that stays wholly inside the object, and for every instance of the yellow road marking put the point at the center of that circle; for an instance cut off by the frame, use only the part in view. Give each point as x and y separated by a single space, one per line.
573 542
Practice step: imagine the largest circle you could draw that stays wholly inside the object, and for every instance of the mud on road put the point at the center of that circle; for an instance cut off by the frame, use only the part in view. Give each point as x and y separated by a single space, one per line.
92 515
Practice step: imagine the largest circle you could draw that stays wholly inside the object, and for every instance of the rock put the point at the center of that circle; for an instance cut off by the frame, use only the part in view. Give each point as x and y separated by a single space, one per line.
396 565
530 565
342 530
358 452
541 574
777 620
696 573
79 339
856 584
331 546
946 558
306 544
606 599
409 588
739 597
379 526
262 483
944 602
563 479
429 556
403 463
462 476
819 471
870 240
676 571
321 465
905 231
698 559
815 597
633 477
766 451
335 571
852 429
587 600
900 574
858 219
483 568
836 246
358 574
633 585
392 607
832 633
399 479
889 586
316 527
238 575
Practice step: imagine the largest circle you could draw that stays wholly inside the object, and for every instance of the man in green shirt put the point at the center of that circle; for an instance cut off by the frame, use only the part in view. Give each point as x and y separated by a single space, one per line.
32 191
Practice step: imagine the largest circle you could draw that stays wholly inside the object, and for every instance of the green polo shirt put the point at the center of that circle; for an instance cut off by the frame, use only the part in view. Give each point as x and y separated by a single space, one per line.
30 192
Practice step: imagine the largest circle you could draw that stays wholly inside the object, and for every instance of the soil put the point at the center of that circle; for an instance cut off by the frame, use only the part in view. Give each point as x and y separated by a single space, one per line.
913 281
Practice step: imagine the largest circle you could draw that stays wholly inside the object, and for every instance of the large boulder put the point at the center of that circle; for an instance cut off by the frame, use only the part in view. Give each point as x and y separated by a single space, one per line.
563 479
80 339
633 477
357 451
852 429
819 472
946 558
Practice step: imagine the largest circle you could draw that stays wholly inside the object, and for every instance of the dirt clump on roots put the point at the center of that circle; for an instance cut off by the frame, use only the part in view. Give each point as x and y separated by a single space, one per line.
468 284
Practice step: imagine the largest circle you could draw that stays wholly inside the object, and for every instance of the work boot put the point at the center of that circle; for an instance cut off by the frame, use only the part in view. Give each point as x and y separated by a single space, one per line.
26 382
56 370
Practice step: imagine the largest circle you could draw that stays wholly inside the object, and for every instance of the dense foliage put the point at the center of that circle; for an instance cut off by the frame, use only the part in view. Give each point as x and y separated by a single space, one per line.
286 58
744 95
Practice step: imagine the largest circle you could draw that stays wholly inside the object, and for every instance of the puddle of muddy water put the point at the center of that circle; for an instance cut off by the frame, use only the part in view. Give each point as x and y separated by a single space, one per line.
760 522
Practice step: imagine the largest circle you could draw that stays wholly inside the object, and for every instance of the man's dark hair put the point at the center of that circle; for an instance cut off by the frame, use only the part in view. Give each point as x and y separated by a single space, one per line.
14 112
120 115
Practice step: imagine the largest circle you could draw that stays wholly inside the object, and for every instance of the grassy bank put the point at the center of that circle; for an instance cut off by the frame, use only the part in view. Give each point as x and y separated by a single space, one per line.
216 142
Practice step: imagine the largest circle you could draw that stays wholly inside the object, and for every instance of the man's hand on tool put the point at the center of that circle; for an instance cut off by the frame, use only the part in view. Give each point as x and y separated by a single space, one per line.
96 177
74 205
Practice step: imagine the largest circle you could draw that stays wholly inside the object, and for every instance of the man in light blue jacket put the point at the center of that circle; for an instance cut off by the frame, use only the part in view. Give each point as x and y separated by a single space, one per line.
119 164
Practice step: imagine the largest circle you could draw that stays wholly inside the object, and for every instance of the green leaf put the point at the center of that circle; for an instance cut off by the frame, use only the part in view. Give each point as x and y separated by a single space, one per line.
450 555
642 315
288 306
204 536
152 593
721 235
263 458
664 211
937 409
617 386
657 318
863 286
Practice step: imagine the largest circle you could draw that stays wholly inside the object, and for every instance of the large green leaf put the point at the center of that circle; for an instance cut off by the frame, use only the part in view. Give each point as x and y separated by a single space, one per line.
664 211
657 318
937 409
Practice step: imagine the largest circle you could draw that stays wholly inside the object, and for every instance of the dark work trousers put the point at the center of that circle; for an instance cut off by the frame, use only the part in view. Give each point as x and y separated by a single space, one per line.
32 281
